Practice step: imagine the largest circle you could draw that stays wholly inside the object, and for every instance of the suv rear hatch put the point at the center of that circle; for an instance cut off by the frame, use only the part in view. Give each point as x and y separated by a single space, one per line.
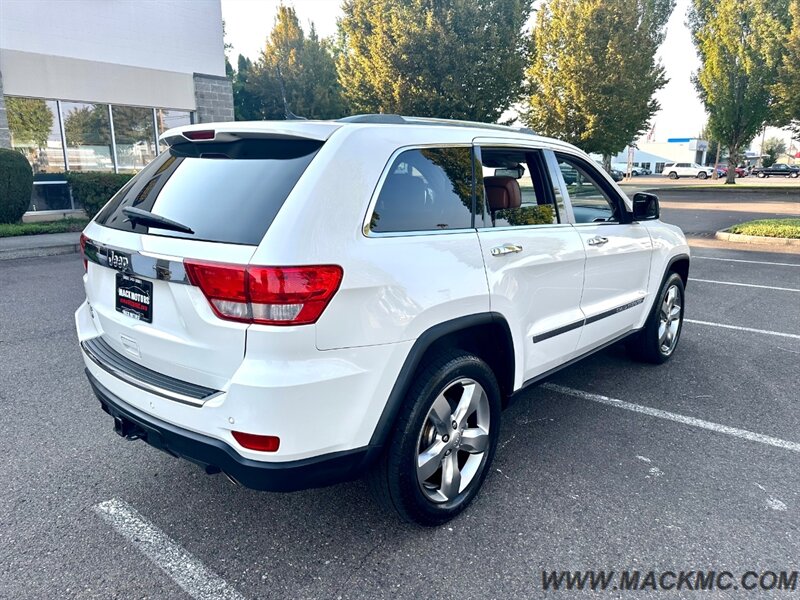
206 200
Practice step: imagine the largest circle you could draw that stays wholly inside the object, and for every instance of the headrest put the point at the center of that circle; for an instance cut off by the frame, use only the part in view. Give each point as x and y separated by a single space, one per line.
502 192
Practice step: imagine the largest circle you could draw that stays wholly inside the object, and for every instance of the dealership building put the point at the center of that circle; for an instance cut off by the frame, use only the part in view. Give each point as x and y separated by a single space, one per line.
89 85
654 155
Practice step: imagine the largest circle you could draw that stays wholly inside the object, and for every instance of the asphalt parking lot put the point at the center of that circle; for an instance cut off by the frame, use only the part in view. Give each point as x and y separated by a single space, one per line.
694 465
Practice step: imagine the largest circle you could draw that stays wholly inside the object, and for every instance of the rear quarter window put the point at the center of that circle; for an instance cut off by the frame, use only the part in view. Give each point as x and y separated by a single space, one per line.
426 189
225 192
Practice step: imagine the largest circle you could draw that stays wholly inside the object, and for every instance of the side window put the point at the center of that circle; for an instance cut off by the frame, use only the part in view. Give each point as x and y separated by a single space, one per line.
590 202
427 189
515 186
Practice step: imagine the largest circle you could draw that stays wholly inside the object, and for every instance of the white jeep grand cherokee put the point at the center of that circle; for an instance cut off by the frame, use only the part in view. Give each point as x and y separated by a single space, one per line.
299 303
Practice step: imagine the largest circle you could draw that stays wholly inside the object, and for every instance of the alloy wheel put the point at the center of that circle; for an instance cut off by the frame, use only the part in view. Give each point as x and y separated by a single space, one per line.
669 321
453 441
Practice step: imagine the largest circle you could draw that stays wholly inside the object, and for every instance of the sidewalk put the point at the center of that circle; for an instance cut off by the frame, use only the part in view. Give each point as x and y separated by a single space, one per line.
50 244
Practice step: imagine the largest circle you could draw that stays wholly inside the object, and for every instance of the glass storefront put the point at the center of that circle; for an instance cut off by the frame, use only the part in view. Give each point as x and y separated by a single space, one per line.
57 136
88 131
134 134
167 119
36 132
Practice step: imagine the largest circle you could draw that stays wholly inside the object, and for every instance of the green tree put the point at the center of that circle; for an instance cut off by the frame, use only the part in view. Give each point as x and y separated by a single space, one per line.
787 88
296 74
456 59
88 126
594 73
740 46
29 120
773 148
246 102
713 147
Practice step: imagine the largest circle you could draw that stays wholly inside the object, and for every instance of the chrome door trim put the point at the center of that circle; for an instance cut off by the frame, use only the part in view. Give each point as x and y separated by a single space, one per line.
505 249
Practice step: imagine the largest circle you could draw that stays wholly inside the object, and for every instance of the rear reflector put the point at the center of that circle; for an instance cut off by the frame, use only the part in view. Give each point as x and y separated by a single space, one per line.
262 443
83 251
266 295
203 134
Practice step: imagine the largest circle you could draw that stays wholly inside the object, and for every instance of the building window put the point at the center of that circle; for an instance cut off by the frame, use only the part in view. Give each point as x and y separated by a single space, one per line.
659 167
646 165
35 131
88 131
167 119
133 134
50 192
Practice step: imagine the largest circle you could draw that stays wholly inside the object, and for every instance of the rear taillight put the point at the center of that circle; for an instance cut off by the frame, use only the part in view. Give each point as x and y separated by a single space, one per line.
266 295
84 239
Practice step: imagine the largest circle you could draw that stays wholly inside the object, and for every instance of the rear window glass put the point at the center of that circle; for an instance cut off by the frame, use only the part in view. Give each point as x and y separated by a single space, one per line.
224 192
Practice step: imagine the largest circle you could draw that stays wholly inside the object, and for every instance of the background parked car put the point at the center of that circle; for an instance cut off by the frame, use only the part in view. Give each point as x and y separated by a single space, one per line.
616 174
623 168
723 171
777 170
675 170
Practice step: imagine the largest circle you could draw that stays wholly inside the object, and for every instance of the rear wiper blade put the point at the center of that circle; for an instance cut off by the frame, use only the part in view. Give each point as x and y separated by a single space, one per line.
137 215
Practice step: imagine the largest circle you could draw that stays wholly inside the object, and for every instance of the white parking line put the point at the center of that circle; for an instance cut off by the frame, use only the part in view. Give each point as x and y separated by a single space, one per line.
188 572
752 285
741 260
669 416
738 328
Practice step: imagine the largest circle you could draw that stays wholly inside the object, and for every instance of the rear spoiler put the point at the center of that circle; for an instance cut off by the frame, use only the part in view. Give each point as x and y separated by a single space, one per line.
230 132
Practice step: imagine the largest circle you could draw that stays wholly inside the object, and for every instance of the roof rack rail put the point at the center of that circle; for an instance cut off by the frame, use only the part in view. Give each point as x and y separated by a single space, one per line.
392 119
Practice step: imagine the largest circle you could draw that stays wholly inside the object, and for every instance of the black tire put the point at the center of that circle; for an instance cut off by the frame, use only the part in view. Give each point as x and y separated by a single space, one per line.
762 175
645 345
673 175
702 175
393 480
794 175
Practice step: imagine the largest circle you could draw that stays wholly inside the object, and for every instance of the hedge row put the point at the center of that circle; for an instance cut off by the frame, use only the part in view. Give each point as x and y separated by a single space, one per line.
16 185
93 190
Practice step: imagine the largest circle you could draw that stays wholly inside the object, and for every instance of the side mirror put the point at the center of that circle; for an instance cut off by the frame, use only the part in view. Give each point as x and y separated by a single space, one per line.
645 207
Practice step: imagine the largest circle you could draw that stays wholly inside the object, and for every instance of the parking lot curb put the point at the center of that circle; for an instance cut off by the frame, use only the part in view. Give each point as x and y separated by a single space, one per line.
756 239
56 250
726 189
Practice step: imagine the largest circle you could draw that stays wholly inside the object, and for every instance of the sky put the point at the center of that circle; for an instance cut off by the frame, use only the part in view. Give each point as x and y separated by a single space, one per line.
248 22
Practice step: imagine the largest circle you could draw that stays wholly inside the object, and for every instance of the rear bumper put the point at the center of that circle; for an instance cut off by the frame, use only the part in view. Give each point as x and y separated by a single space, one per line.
214 454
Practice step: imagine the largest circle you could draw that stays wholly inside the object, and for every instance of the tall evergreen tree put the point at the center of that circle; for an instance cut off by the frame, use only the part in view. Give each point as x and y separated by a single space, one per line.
594 72
787 89
741 45
456 59
246 102
295 75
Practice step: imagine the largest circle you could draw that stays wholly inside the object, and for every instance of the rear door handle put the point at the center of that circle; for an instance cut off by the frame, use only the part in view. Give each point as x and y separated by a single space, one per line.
506 249
597 240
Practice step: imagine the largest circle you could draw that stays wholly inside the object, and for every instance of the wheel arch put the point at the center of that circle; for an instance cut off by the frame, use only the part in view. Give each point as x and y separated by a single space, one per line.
487 335
679 264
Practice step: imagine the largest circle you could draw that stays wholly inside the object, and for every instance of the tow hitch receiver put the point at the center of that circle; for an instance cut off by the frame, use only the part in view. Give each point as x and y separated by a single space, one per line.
127 429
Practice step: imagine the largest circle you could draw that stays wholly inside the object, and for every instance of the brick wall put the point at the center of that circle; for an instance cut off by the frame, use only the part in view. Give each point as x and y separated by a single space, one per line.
214 97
